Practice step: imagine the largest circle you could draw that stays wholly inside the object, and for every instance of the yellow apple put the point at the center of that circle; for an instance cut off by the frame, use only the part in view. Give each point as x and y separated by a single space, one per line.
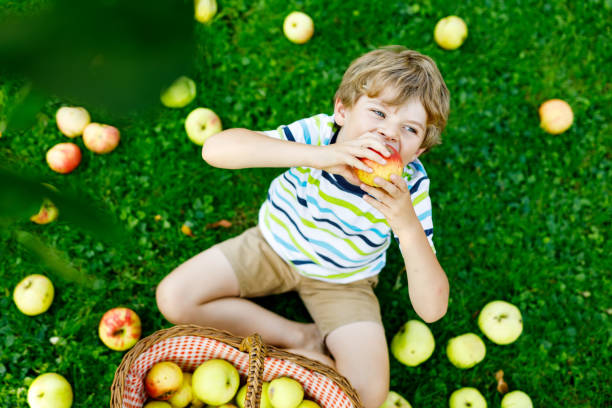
205 10
180 93
285 392
310 404
450 32
163 380
466 351
184 395
556 116
467 397
48 212
71 120
516 399
298 27
202 123
50 390
119 328
34 294
501 322
384 171
215 381
413 343
157 404
100 138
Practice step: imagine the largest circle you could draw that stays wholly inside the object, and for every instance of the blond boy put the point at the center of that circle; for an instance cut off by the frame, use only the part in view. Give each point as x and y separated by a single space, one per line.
322 232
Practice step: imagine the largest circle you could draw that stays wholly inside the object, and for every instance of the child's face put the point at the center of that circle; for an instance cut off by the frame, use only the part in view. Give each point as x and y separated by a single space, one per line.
402 127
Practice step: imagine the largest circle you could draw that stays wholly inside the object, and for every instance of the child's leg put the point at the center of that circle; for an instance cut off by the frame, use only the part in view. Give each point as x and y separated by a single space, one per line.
361 355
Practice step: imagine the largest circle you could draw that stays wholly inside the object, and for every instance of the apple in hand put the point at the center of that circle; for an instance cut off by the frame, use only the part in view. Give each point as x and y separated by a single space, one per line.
184 395
264 401
180 93
71 120
516 399
215 381
501 322
413 344
163 380
450 32
467 397
384 171
298 27
556 116
101 138
205 10
34 294
201 124
285 392
119 328
395 400
50 390
64 157
466 351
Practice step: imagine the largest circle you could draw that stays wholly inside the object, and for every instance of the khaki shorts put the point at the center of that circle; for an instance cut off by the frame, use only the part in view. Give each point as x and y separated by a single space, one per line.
262 272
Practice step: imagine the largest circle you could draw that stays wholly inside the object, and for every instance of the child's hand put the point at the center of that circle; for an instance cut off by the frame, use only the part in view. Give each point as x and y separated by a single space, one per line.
393 200
341 158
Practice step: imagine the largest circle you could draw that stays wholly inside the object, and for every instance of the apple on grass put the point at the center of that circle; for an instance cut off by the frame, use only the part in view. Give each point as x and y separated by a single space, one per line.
298 27
466 351
63 157
556 116
205 10
163 380
34 294
50 390
413 343
395 400
467 397
384 171
501 322
285 392
180 93
101 138
516 399
71 120
201 124
119 328
48 212
264 401
450 32
215 381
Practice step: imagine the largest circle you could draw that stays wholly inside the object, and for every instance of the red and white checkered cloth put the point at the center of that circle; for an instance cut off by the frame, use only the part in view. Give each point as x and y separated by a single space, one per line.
191 351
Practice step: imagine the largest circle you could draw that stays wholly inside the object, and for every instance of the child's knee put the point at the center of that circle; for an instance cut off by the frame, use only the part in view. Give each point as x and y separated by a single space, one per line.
372 392
168 302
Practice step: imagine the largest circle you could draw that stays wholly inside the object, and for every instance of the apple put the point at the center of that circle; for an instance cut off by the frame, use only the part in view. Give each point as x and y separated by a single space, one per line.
119 328
394 400
201 124
384 171
556 116
516 399
205 10
163 380
100 138
184 395
48 212
64 157
501 322
450 32
215 381
180 93
285 392
308 404
264 401
34 294
466 351
467 397
413 343
157 404
298 27
71 120
50 390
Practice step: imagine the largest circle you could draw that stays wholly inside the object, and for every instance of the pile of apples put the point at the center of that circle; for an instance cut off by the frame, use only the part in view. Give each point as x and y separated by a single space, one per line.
216 382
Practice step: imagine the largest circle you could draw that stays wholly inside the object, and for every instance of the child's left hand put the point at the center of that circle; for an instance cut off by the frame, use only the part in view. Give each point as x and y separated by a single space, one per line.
393 200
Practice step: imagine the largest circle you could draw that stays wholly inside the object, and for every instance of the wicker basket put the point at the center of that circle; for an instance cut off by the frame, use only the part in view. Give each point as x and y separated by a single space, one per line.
190 345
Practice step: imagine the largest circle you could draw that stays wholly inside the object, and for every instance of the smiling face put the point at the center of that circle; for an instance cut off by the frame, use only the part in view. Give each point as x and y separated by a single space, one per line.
402 127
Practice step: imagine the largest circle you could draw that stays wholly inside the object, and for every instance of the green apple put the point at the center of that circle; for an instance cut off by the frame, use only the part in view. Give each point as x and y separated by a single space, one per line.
184 395
205 10
71 120
157 404
34 294
180 93
285 392
215 381
264 401
450 32
201 124
466 351
516 399
298 27
467 397
308 404
50 390
501 322
394 400
556 116
413 344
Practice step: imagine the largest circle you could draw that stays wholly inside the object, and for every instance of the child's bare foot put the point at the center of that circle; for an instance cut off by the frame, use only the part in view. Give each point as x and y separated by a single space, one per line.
313 346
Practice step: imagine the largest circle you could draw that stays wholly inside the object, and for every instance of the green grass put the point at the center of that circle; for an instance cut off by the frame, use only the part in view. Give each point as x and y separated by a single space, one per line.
519 215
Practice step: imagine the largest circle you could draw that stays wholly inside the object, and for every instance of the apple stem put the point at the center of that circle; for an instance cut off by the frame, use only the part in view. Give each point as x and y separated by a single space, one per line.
118 332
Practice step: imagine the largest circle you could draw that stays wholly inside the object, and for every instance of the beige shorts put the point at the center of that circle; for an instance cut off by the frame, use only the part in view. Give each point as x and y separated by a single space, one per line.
262 272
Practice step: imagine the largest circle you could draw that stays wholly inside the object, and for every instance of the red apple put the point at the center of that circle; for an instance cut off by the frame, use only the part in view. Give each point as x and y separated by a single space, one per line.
64 157
384 171
119 328
100 138
48 212
163 380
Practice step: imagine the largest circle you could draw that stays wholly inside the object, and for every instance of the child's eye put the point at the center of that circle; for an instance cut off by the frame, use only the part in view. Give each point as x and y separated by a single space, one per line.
410 129
378 113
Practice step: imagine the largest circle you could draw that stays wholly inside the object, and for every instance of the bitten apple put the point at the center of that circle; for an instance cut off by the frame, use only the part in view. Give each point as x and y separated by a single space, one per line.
450 32
384 171
101 138
298 27
71 120
48 212
34 294
413 344
516 399
50 390
556 116
201 124
466 351
120 328
63 157
285 392
180 93
163 380
501 322
467 397
215 381
395 400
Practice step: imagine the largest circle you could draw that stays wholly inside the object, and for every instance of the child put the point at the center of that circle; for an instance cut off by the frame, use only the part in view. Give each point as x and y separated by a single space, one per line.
321 231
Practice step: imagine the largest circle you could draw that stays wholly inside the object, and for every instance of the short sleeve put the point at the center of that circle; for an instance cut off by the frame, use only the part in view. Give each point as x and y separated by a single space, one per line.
316 130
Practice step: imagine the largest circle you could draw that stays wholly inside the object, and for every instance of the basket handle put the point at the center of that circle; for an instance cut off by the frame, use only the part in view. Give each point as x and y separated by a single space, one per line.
256 348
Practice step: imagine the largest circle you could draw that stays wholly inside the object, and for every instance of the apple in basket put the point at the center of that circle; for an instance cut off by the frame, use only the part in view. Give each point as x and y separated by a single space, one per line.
163 380
157 404
184 395
264 402
285 392
215 381
308 404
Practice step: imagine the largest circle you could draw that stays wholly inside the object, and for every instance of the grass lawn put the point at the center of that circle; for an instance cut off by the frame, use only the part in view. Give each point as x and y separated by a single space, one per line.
519 215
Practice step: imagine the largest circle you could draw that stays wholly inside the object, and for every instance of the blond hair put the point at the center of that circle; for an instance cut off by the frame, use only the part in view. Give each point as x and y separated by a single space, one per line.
410 73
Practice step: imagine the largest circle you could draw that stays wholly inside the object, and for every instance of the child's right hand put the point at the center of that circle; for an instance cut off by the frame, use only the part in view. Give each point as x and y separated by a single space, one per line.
341 158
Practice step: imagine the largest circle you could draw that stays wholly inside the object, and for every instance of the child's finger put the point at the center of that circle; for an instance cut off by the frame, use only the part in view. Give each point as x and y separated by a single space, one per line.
377 193
388 186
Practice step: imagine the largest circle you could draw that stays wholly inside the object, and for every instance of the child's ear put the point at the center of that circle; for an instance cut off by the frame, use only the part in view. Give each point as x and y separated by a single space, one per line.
339 112
420 151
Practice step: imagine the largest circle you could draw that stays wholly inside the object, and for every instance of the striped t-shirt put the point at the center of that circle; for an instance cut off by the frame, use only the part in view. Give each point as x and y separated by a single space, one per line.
319 222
